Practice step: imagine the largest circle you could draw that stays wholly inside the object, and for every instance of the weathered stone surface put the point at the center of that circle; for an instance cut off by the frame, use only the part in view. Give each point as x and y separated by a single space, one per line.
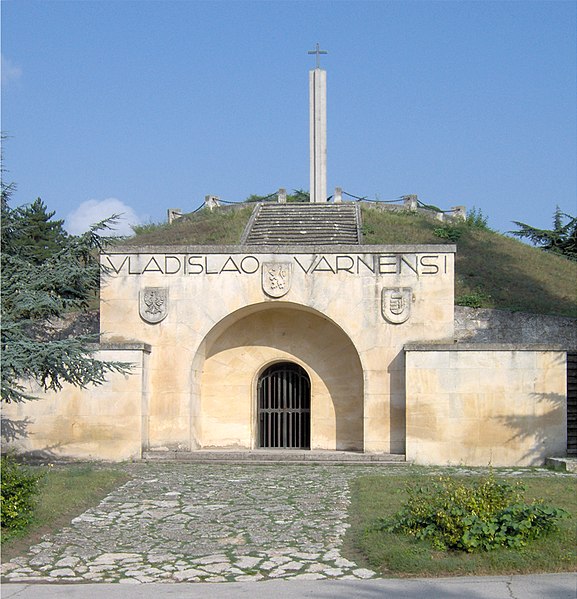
61 572
363 573
188 574
482 325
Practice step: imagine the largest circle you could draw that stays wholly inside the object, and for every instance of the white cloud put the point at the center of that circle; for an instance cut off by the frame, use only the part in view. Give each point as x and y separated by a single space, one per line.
94 211
9 70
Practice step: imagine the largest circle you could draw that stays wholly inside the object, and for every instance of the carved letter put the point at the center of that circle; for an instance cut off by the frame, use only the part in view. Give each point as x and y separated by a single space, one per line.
348 268
414 267
153 269
328 267
388 265
208 272
178 265
116 270
361 261
194 267
130 271
305 270
234 267
248 270
429 263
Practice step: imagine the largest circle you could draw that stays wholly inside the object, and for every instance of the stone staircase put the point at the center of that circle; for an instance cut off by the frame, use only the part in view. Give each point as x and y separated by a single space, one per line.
304 224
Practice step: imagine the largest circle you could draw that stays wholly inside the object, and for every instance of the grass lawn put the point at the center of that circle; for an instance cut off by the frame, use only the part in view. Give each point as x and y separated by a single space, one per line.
397 555
65 492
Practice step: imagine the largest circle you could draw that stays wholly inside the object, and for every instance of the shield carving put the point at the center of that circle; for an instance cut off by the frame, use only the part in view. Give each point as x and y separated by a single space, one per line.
396 304
276 278
153 304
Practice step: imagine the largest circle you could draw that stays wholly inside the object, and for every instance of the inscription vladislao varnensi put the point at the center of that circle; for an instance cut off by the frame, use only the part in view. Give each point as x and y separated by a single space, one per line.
396 304
214 265
276 278
153 304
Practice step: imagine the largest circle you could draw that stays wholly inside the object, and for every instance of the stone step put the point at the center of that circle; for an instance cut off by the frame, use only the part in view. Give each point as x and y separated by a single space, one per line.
304 224
563 463
274 456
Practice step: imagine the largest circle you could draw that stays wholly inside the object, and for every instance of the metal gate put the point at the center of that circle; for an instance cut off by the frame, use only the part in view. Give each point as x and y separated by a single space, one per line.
284 407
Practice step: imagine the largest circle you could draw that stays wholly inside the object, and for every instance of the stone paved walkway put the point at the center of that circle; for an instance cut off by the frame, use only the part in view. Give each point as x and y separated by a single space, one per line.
210 523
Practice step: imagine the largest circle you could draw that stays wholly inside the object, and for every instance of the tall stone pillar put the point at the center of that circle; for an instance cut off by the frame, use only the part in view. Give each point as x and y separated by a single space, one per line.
318 134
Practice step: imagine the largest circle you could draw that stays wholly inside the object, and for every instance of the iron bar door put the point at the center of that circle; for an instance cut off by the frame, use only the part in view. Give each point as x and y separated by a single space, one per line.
284 402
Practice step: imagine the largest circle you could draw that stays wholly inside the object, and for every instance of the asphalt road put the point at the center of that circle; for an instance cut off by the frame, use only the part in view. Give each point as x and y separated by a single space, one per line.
541 586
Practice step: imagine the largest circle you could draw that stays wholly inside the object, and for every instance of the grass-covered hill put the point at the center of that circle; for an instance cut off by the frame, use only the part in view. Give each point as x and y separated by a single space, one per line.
492 270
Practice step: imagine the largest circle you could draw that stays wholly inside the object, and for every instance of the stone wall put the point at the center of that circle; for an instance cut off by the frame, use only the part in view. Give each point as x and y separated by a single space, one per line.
100 422
474 325
480 405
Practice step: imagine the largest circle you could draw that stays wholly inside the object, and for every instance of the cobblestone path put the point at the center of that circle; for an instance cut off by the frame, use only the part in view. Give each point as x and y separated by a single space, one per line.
207 522
204 522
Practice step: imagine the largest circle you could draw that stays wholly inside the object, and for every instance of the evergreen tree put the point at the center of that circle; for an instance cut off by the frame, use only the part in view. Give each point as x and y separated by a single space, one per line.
562 239
56 275
38 236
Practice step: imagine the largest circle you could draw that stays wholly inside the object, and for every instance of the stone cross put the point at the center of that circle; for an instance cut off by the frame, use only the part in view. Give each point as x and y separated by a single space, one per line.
318 130
318 52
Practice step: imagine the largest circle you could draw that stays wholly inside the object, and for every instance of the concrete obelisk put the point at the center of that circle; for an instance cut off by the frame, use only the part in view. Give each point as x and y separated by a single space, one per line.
318 130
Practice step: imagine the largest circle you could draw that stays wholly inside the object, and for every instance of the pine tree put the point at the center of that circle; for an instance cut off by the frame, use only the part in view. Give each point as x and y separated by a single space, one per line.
38 236
41 282
562 239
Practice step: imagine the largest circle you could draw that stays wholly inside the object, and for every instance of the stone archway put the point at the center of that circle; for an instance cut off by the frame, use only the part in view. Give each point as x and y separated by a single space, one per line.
242 346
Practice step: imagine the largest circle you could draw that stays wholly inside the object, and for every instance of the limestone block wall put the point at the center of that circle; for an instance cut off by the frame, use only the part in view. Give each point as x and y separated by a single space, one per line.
490 404
100 422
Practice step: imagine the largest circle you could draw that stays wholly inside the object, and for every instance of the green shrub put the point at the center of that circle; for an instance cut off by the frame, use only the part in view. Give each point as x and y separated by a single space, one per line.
19 490
476 299
449 232
471 517
477 220
453 231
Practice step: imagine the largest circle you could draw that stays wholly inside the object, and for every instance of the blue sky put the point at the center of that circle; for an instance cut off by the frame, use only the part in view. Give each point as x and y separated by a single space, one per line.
139 106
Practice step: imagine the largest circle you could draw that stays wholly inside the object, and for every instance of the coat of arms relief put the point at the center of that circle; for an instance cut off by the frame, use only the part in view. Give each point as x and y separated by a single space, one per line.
276 278
153 304
396 304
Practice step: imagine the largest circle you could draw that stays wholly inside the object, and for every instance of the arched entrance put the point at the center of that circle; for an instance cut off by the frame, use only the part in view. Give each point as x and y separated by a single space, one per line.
241 348
284 407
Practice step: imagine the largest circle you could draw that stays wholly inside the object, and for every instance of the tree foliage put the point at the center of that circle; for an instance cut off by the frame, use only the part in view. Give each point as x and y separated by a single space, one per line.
561 239
46 274
36 236
18 495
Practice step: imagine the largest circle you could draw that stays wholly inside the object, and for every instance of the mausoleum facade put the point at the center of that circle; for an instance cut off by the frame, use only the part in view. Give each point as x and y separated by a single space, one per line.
216 319
321 348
